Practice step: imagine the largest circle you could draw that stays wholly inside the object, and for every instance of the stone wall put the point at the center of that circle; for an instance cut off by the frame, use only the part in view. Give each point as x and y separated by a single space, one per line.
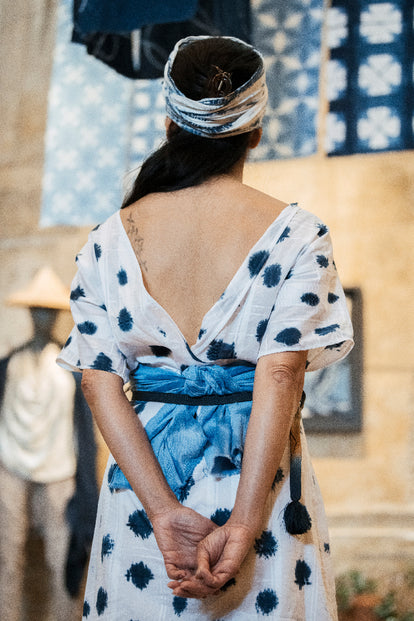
367 478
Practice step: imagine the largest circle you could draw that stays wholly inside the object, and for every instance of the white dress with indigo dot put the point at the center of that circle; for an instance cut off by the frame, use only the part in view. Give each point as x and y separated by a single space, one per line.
285 296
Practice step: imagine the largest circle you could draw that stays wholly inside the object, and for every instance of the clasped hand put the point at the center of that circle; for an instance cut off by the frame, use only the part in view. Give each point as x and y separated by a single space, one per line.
199 556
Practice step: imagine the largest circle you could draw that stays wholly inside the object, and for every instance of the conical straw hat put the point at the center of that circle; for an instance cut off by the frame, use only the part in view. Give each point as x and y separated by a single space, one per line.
45 290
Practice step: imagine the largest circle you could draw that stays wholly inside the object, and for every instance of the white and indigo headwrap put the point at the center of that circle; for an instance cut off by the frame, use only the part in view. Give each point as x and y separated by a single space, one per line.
236 113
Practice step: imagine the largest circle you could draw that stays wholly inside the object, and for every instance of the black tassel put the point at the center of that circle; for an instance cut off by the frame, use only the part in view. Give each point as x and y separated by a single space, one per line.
296 516
297 519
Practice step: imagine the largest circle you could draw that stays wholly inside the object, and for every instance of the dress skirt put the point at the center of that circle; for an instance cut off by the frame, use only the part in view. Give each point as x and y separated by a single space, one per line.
284 577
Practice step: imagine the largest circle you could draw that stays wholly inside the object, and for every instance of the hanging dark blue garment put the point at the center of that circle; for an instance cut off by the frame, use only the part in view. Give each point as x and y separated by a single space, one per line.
126 15
143 55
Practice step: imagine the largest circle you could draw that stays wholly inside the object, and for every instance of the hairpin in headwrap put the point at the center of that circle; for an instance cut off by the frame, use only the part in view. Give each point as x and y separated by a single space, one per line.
221 82
237 112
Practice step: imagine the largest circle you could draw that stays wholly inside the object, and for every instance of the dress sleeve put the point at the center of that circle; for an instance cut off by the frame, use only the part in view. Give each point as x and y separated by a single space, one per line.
91 344
310 311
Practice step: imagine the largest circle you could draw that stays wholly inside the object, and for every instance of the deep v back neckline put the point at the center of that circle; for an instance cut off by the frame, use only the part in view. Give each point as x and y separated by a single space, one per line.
234 281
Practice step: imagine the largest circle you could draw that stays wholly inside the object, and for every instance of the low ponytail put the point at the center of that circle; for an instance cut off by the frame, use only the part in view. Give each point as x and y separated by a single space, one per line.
186 160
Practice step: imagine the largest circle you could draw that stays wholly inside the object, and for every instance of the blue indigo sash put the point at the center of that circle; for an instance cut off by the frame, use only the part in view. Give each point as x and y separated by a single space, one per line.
182 432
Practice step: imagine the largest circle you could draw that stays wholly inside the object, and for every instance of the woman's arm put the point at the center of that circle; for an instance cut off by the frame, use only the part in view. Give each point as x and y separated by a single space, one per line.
277 392
178 530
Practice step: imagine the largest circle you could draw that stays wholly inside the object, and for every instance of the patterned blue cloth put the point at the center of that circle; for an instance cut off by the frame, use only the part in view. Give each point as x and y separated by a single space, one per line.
215 432
369 76
87 134
288 34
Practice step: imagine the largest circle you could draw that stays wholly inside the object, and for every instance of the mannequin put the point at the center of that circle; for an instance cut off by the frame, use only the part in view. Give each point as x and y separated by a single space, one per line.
39 459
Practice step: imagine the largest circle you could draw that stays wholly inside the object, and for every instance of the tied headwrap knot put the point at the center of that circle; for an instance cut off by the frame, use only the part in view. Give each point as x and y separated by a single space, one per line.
238 112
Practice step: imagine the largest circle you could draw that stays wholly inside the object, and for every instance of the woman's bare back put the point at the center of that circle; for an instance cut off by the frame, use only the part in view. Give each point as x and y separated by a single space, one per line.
191 242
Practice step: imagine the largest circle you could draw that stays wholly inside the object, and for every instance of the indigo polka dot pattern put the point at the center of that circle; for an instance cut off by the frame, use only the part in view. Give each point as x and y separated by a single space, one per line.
323 229
256 262
77 293
98 251
266 545
101 601
107 546
125 321
111 473
160 351
139 523
102 363
322 260
302 574
87 327
284 235
310 298
185 489
228 584
289 336
179 605
327 329
140 575
326 548
68 342
261 329
219 350
266 602
122 277
271 275
220 516
284 296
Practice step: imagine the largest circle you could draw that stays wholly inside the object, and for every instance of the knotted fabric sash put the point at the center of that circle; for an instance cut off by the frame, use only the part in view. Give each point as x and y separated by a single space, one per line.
205 414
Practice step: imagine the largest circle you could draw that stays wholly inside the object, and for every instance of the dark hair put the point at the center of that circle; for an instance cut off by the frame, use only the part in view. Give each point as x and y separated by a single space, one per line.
186 159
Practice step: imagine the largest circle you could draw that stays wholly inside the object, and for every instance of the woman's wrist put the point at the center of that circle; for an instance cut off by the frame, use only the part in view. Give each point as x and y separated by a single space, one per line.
161 506
251 521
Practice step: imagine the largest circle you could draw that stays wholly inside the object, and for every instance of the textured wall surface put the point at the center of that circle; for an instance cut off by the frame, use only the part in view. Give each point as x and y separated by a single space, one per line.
367 478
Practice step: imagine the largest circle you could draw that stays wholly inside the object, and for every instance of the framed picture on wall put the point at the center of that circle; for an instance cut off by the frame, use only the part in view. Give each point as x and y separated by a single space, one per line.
334 395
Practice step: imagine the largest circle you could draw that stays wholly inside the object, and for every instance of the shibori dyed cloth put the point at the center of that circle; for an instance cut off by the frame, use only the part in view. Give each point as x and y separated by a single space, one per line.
215 431
87 134
370 76
288 35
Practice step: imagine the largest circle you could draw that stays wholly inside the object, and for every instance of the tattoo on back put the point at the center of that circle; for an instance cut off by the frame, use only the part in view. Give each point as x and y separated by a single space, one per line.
137 241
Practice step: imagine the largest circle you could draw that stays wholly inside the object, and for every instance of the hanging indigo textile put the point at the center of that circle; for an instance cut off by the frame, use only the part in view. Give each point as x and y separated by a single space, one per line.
126 15
142 54
86 137
288 34
369 77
